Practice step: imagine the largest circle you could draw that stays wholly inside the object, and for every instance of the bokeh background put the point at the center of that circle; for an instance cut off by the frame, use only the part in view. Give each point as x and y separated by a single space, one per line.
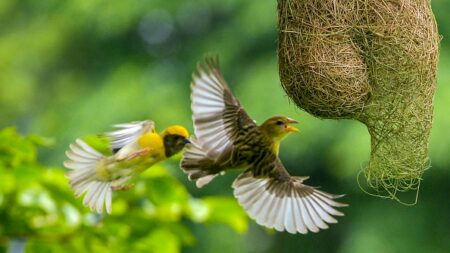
71 68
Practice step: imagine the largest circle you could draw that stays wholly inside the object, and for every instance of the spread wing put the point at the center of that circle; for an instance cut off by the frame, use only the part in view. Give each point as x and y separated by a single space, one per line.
283 202
217 114
129 132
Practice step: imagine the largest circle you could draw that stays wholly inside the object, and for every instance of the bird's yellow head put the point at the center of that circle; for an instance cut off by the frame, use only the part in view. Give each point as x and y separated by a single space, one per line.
174 138
176 130
278 127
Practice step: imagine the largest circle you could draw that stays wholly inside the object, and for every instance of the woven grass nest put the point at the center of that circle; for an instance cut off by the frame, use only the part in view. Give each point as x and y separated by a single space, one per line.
369 60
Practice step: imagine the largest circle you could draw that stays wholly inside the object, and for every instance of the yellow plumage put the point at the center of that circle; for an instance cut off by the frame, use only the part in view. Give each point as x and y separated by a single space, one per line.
151 140
176 130
135 146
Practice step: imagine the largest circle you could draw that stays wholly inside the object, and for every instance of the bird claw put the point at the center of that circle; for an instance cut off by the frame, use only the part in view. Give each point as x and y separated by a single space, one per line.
141 152
121 187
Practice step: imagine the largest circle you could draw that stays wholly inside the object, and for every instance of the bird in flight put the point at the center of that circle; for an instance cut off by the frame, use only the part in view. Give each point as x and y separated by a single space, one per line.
117 157
227 138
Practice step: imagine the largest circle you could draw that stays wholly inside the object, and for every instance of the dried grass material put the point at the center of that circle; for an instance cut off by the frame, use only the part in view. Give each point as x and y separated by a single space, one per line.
370 60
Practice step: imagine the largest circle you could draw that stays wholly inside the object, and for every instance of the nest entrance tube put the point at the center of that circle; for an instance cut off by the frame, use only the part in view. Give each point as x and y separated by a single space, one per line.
369 60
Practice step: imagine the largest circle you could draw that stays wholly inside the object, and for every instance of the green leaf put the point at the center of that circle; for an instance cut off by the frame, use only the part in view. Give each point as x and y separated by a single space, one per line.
199 210
168 196
166 190
41 141
8 182
27 174
226 210
161 240
15 149
182 232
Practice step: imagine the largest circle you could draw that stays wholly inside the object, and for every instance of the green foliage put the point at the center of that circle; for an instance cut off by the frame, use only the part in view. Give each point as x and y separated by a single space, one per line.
36 204
34 200
69 68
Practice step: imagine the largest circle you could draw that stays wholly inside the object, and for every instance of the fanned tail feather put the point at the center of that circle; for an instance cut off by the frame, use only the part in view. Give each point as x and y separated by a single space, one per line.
83 162
197 164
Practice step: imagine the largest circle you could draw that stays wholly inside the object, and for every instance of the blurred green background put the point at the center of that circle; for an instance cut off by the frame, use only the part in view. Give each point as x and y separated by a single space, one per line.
71 68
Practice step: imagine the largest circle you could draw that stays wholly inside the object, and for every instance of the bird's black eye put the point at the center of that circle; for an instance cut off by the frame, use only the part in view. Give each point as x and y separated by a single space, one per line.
279 122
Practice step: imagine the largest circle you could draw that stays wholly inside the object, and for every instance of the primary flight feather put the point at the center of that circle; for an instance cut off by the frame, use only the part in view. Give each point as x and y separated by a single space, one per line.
227 138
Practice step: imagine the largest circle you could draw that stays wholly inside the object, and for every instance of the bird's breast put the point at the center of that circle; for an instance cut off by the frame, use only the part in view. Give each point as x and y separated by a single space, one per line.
151 140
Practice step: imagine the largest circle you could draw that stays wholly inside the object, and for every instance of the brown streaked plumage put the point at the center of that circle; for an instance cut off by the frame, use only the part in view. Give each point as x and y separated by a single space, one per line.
227 138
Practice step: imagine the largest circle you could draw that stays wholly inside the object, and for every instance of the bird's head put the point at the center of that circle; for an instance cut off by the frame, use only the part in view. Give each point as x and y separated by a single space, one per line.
175 138
278 127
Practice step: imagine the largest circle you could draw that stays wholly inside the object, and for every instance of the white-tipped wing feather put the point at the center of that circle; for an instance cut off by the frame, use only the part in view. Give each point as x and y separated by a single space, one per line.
208 105
218 117
83 178
129 132
215 111
286 205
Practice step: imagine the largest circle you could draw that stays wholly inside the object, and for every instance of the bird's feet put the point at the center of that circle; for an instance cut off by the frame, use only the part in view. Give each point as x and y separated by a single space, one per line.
140 152
122 187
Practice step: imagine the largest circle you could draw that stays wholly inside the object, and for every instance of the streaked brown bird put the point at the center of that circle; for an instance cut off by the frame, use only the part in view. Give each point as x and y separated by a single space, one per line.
227 138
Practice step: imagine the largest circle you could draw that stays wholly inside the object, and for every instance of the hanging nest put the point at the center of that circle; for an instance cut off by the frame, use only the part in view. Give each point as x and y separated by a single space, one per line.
370 60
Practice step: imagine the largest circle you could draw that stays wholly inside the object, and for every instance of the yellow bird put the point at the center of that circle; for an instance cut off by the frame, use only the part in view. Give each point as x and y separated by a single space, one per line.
133 148
227 138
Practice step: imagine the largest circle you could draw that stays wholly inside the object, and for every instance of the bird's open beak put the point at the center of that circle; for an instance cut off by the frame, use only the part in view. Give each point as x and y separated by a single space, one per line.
291 128
187 141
